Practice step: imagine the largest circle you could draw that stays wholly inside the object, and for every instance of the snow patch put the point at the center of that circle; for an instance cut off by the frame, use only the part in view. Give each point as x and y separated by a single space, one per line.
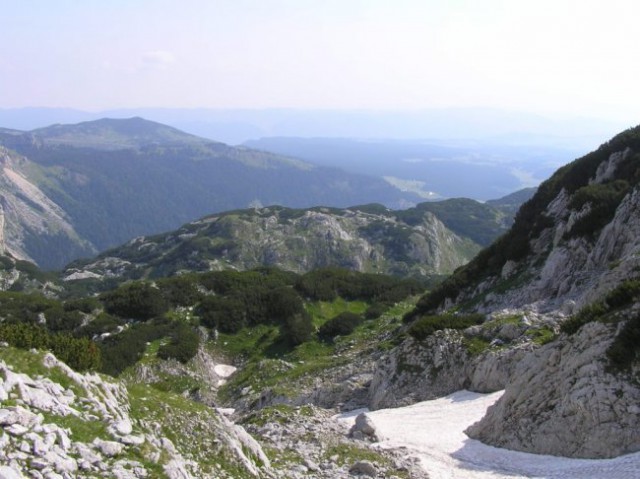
224 370
433 432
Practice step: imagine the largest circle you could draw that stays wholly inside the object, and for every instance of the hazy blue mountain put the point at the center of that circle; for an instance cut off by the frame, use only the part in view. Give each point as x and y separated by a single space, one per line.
511 203
432 168
235 126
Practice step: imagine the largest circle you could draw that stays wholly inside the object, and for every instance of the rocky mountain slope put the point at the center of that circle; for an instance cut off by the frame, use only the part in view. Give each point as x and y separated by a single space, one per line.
152 422
59 423
32 226
72 190
558 302
369 239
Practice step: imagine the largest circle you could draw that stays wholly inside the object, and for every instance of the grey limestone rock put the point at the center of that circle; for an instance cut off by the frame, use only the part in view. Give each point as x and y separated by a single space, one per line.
363 468
562 401
365 427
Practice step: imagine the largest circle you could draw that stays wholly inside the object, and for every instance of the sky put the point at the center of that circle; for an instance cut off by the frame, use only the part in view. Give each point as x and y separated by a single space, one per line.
546 56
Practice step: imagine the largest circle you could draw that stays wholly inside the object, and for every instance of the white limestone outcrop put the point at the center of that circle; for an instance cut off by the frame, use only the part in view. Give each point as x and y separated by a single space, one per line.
562 401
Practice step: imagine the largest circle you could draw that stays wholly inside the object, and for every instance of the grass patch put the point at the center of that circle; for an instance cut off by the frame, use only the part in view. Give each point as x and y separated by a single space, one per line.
476 345
322 311
81 430
542 336
284 370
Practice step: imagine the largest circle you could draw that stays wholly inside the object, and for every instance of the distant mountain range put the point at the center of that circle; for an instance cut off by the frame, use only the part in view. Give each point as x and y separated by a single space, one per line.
87 187
433 169
235 126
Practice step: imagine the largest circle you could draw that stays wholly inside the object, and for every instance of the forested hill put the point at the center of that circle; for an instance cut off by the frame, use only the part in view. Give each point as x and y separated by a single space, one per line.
368 238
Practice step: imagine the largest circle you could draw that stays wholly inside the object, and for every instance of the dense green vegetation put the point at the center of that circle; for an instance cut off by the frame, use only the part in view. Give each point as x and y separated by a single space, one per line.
625 349
327 284
269 365
341 325
620 297
603 199
530 219
79 353
112 331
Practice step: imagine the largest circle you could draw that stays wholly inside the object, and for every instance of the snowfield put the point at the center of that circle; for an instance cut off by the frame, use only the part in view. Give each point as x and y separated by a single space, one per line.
432 432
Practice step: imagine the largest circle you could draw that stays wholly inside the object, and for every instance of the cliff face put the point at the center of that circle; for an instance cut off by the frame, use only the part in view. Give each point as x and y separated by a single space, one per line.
568 274
449 360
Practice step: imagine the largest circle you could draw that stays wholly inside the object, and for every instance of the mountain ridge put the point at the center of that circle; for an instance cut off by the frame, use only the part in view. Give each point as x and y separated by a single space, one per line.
118 179
368 238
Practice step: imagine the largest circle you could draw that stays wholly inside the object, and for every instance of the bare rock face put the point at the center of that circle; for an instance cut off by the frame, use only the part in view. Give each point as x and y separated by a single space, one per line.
568 273
442 364
31 438
416 371
364 428
562 401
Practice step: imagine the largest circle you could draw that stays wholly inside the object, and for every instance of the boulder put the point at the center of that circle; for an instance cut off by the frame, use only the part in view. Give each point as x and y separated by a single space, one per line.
363 468
7 472
365 426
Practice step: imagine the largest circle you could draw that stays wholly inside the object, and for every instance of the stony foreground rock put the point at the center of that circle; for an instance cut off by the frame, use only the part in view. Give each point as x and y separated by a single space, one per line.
563 402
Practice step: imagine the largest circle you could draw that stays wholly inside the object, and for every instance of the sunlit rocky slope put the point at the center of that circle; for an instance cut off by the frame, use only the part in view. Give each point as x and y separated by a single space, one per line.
413 242
568 268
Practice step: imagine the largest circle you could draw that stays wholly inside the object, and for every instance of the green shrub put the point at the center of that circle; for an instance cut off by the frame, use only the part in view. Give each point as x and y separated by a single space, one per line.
340 325
24 336
57 319
625 348
588 314
6 263
85 305
625 294
103 323
80 354
137 300
297 328
375 311
326 284
604 199
227 314
424 327
282 303
183 344
126 348
179 291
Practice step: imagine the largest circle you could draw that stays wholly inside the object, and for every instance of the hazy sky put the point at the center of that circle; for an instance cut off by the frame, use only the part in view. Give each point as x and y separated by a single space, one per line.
575 57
